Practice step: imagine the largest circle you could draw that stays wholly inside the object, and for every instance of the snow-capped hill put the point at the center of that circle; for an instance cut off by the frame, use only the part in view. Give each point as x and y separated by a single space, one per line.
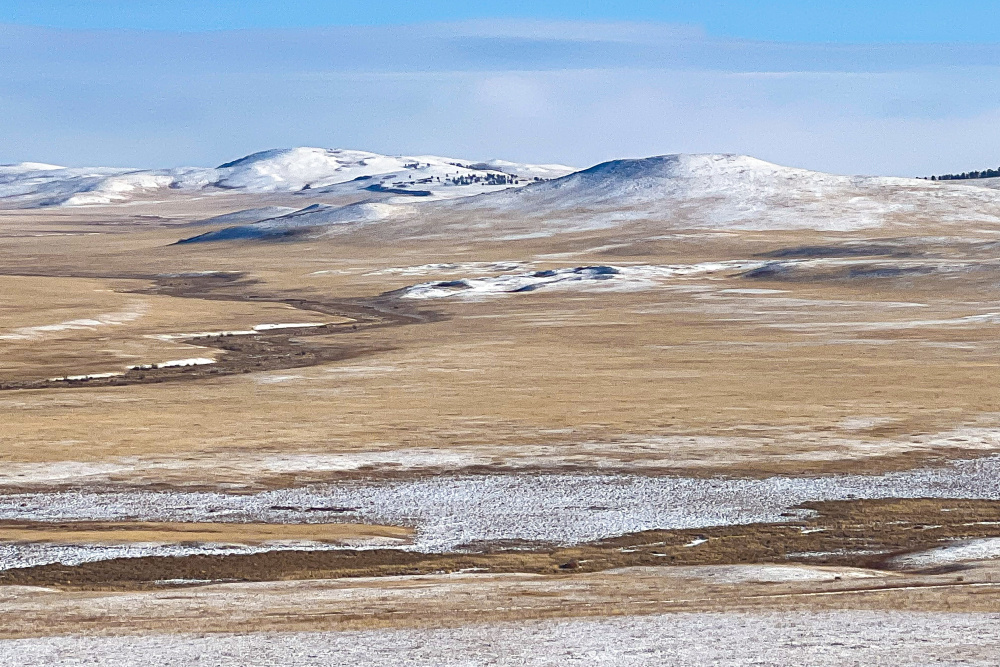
292 169
734 192
31 185
330 170
633 181
27 167
307 171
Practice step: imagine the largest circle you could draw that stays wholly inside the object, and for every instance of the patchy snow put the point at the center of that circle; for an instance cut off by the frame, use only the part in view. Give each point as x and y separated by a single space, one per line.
864 423
257 328
624 455
202 334
685 639
288 325
581 277
250 466
91 376
739 574
136 310
452 511
453 267
950 554
195 361
24 554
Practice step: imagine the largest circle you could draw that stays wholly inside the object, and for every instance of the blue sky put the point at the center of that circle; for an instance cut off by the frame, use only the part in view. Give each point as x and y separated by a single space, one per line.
778 20
850 87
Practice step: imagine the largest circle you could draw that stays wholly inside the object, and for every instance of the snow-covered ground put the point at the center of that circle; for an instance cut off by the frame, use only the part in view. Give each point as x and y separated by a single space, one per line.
967 550
27 554
311 217
135 311
452 511
581 277
645 276
734 192
319 170
840 638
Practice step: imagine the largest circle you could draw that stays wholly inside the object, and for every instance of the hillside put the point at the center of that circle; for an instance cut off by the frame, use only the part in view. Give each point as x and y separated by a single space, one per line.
310 171
650 195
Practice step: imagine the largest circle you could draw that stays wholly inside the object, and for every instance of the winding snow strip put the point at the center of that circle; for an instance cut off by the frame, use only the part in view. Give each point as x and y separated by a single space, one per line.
288 325
238 332
197 361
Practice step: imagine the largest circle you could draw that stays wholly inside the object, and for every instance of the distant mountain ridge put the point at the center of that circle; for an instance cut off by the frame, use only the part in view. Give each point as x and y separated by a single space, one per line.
289 170
653 195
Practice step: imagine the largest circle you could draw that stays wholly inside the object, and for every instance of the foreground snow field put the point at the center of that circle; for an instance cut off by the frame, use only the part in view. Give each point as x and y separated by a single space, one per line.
451 512
720 639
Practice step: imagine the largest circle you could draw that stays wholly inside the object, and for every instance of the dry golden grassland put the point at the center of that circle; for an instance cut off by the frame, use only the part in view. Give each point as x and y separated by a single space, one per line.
818 376
463 599
127 532
823 372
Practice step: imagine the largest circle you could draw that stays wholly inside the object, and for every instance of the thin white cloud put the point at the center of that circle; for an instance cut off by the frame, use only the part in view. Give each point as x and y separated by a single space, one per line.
575 93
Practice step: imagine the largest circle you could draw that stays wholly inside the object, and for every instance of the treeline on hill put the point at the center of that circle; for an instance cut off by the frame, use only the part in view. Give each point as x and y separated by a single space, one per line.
986 173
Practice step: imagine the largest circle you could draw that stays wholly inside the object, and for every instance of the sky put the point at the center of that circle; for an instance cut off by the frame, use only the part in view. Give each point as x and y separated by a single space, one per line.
851 87
777 20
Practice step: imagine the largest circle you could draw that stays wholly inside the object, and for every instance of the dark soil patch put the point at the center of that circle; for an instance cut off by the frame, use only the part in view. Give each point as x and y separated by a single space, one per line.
275 349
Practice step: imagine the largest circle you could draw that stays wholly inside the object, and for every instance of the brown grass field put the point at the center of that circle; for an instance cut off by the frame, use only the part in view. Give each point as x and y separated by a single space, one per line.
823 371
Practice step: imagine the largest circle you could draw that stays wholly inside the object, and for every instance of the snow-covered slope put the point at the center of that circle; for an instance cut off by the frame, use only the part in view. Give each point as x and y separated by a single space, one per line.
658 194
315 171
309 218
733 192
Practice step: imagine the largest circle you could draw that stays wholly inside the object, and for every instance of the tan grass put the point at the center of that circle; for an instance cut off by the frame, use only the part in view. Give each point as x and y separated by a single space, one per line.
553 369
174 532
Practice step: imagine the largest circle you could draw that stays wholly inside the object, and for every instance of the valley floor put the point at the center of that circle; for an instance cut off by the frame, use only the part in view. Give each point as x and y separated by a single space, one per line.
599 447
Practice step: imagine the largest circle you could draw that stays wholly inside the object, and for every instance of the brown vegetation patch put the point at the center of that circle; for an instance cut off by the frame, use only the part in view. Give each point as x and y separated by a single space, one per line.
266 350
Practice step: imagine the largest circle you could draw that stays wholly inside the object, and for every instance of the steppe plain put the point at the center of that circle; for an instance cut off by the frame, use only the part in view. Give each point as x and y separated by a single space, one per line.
771 440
